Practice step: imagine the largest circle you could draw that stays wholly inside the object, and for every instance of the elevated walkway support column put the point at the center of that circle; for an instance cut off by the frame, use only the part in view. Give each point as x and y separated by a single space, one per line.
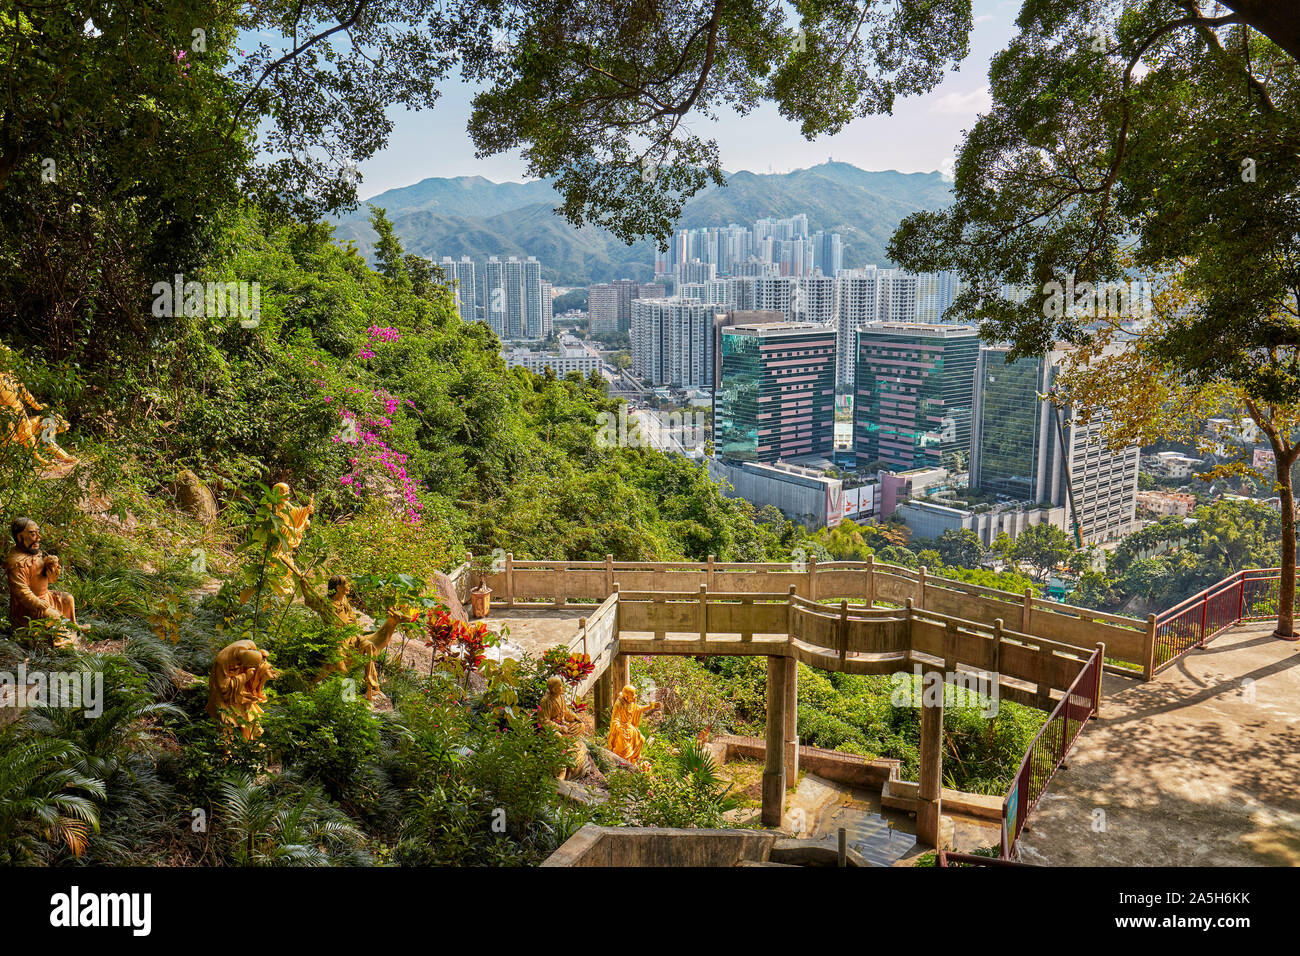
605 693
928 811
620 674
790 688
774 769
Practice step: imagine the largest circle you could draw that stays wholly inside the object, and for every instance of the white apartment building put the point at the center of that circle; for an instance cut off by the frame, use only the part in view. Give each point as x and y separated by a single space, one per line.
463 279
672 342
571 356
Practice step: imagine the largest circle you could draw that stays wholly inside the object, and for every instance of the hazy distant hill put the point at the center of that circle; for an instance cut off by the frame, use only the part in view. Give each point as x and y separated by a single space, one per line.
472 216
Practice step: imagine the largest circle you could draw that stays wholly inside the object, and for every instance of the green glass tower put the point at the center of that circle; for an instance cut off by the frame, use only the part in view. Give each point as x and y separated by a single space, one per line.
775 399
913 395
1012 441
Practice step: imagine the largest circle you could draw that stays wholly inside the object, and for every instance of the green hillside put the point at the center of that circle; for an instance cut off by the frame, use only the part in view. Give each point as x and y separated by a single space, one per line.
474 217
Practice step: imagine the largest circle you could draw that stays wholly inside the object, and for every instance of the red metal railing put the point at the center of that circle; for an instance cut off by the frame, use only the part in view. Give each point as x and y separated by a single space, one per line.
1049 749
1245 596
1251 595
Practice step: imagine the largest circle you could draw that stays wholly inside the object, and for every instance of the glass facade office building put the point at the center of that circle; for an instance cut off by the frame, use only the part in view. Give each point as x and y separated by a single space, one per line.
1010 426
914 387
1025 450
775 399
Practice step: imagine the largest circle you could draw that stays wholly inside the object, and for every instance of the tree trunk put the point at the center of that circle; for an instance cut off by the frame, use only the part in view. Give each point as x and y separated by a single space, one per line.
1286 587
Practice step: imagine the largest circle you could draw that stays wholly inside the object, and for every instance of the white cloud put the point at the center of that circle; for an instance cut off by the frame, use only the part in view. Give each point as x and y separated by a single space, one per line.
963 104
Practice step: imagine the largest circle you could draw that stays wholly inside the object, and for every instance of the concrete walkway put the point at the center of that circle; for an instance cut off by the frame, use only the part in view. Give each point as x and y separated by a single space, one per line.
536 630
1199 767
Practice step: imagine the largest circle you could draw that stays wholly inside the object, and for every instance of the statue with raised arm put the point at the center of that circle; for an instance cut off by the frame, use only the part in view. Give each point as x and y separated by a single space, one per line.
555 713
295 522
625 737
30 573
16 425
237 687
371 646
336 610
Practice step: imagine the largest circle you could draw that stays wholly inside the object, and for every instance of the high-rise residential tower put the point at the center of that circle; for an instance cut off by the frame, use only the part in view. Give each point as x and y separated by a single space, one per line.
463 279
856 308
672 342
512 297
609 304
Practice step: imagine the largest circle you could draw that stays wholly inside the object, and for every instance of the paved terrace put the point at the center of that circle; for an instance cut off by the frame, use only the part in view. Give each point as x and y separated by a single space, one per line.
1198 767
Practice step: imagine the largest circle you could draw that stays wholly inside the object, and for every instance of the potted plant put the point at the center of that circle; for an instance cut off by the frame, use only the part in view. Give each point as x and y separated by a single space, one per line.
481 596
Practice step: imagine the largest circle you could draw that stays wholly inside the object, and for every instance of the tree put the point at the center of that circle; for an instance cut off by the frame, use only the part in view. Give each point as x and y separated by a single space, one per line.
1042 547
1184 174
1125 377
1003 546
389 256
961 547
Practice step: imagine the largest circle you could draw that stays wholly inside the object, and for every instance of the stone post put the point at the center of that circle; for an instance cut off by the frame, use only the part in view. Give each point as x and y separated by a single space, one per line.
929 809
774 768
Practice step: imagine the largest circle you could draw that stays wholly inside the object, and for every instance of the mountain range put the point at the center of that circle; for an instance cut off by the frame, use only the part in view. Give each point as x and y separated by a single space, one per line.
470 215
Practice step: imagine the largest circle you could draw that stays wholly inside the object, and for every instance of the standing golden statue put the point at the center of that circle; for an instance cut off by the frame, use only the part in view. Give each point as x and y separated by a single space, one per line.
295 520
625 737
30 573
237 687
336 610
16 425
372 646
554 712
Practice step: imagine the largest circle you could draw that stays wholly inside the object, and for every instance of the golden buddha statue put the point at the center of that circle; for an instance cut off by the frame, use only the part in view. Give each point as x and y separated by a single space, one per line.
625 737
554 712
237 687
30 573
16 425
295 522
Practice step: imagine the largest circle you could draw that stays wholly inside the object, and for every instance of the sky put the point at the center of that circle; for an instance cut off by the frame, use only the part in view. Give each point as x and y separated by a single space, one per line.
921 135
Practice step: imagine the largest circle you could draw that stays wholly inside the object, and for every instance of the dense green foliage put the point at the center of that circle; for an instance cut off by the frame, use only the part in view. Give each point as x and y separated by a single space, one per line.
1172 559
871 716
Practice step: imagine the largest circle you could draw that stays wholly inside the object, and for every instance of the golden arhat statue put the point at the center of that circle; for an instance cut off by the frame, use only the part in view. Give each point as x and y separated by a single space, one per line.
625 737
17 426
237 687
372 646
296 522
554 712
336 610
30 573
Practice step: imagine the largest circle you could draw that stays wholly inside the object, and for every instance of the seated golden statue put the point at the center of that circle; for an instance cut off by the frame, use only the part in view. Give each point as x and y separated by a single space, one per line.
17 426
296 521
625 737
30 573
554 712
237 687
